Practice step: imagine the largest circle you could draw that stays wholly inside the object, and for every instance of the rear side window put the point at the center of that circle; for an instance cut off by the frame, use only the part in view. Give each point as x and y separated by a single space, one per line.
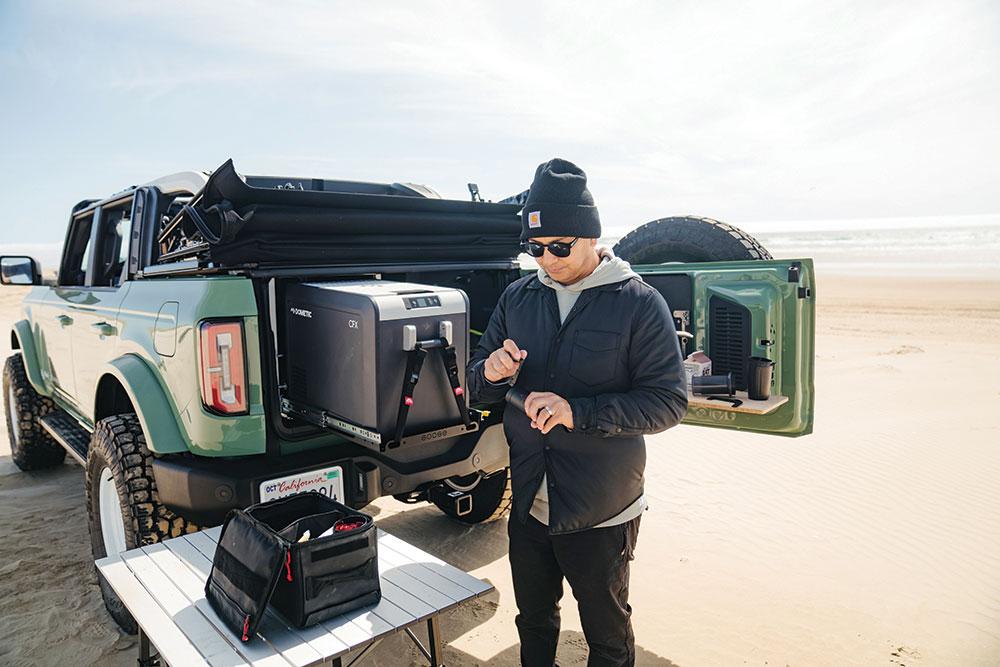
77 253
111 245
97 248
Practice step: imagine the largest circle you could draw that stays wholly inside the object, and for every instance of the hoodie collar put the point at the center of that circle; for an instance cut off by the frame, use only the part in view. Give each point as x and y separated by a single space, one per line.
610 275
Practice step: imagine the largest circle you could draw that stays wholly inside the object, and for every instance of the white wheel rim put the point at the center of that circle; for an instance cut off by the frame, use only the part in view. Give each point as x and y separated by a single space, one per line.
15 429
112 524
466 487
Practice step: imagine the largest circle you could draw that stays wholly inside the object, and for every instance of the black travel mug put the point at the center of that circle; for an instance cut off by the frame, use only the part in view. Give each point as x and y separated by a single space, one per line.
516 397
713 384
759 372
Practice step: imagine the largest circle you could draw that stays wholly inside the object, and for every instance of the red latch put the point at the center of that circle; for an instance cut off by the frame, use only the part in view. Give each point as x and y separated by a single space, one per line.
408 401
288 564
458 391
246 626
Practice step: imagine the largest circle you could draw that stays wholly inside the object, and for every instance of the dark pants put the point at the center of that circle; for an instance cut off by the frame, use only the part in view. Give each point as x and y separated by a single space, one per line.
595 562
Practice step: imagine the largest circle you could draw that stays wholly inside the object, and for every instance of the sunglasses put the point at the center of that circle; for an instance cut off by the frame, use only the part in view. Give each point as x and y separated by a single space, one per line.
557 248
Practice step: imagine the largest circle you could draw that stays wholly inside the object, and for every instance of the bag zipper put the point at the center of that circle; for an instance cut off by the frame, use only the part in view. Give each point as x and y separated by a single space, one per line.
288 563
246 626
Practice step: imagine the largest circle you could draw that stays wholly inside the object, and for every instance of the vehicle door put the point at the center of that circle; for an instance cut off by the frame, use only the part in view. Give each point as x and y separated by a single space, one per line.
742 315
55 316
96 325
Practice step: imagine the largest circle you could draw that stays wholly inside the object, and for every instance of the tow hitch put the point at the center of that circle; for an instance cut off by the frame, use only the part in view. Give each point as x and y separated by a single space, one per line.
460 500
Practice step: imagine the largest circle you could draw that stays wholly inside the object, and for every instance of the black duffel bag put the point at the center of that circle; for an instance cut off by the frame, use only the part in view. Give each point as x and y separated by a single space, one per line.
259 560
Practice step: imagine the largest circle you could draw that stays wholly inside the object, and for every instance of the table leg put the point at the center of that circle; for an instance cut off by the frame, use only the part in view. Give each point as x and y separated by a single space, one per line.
145 659
434 639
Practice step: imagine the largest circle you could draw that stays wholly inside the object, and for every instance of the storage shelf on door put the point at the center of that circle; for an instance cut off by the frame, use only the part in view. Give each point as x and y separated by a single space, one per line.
751 406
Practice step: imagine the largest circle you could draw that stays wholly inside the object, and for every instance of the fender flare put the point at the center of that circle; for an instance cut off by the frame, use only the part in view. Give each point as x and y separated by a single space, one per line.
155 413
26 342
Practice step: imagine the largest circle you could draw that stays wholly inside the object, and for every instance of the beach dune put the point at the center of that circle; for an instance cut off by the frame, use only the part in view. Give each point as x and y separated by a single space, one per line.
874 541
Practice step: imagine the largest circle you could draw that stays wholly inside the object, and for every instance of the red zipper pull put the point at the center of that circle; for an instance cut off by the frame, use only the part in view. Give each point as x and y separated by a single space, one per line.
288 563
246 626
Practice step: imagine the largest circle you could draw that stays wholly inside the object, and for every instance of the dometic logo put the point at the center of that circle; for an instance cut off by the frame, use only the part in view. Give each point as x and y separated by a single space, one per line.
301 313
535 219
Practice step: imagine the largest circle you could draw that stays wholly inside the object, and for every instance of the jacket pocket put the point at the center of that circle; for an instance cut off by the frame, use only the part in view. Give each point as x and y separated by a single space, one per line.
594 357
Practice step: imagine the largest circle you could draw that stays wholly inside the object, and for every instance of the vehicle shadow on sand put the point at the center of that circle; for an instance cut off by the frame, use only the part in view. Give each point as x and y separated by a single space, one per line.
464 546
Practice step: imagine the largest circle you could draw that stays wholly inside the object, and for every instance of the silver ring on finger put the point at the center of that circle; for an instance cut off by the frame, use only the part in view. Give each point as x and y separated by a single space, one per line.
549 410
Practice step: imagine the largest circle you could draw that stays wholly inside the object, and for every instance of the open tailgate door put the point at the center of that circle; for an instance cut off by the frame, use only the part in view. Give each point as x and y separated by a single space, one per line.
742 309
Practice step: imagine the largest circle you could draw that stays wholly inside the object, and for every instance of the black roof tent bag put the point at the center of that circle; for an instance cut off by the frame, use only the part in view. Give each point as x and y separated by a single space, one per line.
249 225
259 560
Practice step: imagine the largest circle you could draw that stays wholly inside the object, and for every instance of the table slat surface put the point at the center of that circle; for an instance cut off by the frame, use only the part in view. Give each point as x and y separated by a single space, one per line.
163 585
162 630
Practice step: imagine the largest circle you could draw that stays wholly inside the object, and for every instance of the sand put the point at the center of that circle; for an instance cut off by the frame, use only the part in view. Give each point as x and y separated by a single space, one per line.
874 541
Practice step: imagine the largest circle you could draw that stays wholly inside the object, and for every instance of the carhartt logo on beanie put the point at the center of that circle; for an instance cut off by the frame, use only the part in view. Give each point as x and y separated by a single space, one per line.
559 203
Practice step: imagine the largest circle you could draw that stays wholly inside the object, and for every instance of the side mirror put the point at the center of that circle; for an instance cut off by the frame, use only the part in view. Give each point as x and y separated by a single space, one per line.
19 270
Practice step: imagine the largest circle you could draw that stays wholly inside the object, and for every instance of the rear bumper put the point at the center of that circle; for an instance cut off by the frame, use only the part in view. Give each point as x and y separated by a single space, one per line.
204 489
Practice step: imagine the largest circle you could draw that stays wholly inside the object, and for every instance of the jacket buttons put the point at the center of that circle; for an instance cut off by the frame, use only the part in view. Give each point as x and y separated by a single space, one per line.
547 448
552 375
552 484
618 430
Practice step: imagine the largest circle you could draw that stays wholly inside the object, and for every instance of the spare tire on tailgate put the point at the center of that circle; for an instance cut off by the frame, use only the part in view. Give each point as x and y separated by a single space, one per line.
688 239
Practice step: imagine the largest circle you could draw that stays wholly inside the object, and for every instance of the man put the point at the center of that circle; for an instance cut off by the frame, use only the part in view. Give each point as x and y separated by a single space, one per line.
598 351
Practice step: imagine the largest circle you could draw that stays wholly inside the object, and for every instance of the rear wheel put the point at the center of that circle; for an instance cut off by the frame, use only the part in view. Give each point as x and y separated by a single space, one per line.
31 446
491 497
688 239
122 504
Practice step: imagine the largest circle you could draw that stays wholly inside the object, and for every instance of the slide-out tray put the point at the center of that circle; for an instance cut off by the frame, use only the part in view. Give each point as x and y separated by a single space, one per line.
749 406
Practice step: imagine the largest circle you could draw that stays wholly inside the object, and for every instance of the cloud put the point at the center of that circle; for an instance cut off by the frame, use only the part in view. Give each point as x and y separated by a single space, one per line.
737 110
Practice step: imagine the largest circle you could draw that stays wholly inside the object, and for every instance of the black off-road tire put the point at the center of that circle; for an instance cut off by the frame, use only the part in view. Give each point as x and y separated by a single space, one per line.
688 239
31 446
491 499
119 445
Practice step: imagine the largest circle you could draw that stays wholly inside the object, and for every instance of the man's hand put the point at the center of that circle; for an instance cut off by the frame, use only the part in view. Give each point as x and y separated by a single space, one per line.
502 363
547 410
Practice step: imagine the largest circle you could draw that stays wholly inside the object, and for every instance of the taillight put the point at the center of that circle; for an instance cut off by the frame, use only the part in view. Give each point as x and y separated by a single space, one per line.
223 371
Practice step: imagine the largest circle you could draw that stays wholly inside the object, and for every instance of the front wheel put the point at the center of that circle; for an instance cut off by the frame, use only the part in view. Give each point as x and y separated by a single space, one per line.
491 497
31 447
123 508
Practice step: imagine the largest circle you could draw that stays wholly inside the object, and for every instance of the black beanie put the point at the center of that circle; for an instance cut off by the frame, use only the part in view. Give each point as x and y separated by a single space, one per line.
559 203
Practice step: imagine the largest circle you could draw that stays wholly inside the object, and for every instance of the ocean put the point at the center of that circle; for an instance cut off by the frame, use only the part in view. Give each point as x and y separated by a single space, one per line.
957 246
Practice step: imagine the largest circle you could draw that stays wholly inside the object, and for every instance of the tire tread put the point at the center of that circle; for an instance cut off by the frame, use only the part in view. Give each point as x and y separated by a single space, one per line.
688 239
36 449
119 443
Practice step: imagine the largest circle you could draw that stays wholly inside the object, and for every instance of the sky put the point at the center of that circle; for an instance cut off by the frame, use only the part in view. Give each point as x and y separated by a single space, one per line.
744 112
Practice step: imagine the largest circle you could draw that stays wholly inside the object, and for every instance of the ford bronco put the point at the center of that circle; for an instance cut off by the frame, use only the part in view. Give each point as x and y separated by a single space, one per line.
212 340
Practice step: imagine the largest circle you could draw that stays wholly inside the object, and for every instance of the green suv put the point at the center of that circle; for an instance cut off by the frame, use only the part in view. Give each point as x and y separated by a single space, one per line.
166 355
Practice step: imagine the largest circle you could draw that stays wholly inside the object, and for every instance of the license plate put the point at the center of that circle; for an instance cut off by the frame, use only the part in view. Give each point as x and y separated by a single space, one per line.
328 481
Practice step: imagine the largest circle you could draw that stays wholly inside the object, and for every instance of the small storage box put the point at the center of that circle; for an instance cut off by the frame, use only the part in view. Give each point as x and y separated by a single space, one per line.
259 559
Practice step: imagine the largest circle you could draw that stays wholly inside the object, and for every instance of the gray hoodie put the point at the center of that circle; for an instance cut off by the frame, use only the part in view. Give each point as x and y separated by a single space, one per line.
611 270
